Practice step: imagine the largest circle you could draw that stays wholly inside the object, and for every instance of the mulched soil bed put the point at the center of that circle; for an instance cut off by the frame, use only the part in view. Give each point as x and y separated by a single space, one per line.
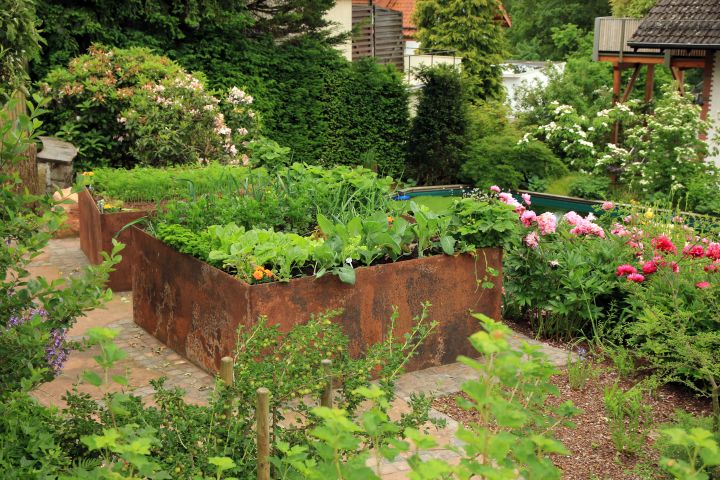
594 456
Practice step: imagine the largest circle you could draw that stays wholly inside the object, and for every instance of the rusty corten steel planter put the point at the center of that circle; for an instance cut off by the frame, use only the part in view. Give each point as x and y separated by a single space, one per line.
96 233
196 309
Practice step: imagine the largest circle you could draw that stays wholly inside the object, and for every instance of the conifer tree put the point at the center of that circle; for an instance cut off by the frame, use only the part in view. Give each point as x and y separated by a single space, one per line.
470 28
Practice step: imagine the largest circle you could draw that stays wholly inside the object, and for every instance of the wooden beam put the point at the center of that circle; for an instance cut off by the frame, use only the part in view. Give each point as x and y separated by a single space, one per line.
617 72
631 83
681 62
649 83
707 83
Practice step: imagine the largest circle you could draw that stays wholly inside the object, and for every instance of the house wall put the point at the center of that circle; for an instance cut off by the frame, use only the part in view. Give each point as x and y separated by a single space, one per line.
341 15
714 110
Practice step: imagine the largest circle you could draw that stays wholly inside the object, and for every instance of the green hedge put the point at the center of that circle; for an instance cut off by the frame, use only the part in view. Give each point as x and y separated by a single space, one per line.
328 110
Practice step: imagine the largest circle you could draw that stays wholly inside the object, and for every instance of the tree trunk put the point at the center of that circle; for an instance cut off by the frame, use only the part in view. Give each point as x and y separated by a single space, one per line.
26 169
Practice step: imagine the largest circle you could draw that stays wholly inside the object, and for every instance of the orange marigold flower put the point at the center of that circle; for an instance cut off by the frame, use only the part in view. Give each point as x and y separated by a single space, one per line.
258 275
390 219
268 273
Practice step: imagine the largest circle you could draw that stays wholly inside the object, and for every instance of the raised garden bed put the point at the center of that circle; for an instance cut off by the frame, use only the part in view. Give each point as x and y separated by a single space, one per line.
97 230
196 309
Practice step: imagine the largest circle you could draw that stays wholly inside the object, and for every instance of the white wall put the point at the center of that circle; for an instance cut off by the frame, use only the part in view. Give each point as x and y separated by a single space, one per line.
524 74
714 110
341 15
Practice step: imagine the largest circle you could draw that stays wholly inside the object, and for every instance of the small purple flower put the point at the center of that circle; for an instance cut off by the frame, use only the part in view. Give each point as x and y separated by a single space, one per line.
56 351
582 353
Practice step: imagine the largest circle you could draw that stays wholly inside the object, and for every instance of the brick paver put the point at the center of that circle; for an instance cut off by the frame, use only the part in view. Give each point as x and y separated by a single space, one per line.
149 359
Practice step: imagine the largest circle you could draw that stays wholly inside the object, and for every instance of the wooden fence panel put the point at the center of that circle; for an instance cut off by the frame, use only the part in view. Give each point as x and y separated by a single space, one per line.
379 34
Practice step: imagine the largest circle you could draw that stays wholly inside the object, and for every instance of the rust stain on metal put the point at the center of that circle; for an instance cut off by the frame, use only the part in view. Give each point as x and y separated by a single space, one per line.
196 309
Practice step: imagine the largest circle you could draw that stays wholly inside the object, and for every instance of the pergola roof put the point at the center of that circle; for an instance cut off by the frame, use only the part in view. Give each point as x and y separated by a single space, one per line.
680 24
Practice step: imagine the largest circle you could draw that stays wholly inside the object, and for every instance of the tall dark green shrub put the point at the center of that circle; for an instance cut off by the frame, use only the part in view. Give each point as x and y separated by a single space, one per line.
501 160
440 128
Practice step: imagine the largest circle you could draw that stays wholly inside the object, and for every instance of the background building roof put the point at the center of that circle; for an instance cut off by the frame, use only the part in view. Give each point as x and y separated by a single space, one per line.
680 24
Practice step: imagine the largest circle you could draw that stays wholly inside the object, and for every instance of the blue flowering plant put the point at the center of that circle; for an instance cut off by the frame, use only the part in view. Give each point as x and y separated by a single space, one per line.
35 313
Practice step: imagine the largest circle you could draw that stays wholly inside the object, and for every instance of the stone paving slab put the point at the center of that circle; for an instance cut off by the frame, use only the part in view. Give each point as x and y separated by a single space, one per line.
149 359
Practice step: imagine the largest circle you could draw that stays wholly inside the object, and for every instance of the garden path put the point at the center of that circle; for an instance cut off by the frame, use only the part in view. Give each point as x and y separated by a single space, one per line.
149 359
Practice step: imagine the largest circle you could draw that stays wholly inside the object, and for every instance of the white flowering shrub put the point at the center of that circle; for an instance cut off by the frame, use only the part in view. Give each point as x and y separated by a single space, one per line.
658 153
123 107
177 121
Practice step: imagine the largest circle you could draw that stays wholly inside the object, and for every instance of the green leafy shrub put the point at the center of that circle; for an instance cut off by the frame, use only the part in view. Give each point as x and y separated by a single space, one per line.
440 127
511 437
507 162
125 107
592 187
34 314
120 435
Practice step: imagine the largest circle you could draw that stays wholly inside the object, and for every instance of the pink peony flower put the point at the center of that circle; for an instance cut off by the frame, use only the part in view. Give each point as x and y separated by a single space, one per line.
636 277
694 251
519 209
625 269
713 267
608 206
628 219
619 230
586 227
664 244
495 188
649 267
547 223
526 198
532 240
674 267
504 197
527 217
703 285
572 218
713 251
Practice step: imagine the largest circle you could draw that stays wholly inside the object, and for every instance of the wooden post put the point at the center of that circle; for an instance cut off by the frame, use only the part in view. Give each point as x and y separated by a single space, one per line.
649 82
226 371
327 395
616 82
262 419
227 375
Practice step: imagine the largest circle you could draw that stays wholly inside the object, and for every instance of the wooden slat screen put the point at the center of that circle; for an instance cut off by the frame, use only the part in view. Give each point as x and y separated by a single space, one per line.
379 34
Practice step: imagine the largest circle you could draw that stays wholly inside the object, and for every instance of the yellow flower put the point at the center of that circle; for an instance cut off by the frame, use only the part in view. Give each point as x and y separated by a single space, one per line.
88 174
649 214
390 219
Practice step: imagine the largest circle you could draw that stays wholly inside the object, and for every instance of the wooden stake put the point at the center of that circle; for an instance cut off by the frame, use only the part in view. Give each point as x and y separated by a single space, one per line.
226 371
262 418
227 375
327 396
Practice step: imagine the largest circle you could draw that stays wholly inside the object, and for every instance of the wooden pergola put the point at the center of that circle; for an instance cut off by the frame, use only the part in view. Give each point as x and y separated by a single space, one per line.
614 44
